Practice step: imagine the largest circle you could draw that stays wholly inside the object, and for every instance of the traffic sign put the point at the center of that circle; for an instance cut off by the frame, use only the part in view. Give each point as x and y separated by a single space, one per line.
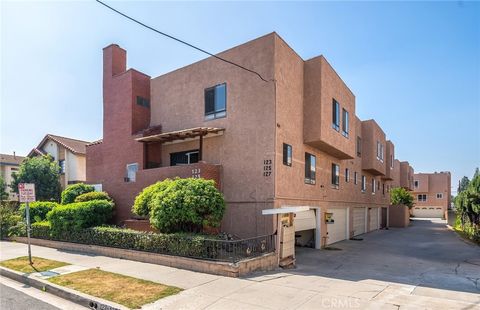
26 192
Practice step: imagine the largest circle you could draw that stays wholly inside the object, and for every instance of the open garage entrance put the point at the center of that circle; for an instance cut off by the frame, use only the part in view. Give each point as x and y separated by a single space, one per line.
307 228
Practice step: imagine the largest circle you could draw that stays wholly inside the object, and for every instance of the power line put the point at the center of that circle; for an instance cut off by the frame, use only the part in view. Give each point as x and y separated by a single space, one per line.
181 41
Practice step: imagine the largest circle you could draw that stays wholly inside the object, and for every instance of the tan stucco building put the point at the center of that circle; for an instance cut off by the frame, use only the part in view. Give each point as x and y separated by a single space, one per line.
432 193
9 164
70 155
289 138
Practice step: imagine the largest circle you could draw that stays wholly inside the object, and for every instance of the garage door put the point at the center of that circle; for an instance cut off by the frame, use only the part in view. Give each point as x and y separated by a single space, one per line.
373 216
358 221
428 212
304 220
337 231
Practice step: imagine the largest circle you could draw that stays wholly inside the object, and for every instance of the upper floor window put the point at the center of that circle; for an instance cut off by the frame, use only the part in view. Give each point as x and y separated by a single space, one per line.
355 175
310 163
439 195
364 183
391 161
379 151
335 174
373 186
422 197
383 188
335 115
359 147
347 175
216 102
287 154
143 102
345 125
61 163
131 172
416 184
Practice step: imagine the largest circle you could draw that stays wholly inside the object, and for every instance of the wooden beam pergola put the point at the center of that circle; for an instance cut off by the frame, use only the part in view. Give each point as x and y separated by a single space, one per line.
181 134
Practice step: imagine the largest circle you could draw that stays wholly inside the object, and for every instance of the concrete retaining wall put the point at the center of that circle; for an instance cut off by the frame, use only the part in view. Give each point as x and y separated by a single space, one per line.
262 263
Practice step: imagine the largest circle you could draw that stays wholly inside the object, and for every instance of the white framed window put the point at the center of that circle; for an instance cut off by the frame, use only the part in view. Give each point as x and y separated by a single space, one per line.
355 176
364 183
422 197
439 195
347 175
131 172
373 186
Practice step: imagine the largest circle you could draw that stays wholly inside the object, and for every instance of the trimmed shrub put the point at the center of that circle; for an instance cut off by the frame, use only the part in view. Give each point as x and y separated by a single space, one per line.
41 230
186 205
172 244
79 215
72 191
38 210
143 202
93 196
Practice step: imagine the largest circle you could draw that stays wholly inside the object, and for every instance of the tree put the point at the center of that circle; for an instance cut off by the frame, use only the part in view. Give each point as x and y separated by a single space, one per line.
44 172
463 184
467 204
400 196
3 190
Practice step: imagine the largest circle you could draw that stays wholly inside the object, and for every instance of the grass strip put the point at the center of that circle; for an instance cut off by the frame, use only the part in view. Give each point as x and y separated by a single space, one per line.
22 264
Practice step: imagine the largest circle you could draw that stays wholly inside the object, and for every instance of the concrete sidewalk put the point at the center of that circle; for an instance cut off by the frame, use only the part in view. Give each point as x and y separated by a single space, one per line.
275 290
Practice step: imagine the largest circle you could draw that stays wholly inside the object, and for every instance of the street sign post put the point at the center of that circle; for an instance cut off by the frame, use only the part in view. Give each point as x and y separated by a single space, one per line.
26 193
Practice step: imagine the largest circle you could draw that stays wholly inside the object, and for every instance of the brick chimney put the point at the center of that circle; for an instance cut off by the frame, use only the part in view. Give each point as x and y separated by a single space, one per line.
114 61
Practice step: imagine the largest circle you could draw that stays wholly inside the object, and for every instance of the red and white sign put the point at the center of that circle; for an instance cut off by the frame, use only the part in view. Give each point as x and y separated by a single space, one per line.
26 192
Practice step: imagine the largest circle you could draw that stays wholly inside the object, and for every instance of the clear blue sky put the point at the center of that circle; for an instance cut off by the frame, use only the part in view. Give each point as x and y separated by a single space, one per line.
414 67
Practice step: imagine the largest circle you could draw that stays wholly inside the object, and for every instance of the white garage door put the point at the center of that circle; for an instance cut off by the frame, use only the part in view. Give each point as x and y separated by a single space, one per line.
337 231
373 216
358 221
304 220
428 212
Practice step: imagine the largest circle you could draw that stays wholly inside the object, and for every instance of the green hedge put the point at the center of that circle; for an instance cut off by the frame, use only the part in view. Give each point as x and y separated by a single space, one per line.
143 202
38 210
11 221
79 215
72 191
93 196
171 244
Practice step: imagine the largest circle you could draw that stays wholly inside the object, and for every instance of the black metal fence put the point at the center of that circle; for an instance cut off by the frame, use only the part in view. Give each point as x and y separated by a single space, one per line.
185 245
237 250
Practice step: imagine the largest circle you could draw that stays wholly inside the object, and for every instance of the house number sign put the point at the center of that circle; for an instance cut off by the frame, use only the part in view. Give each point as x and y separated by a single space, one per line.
267 167
196 173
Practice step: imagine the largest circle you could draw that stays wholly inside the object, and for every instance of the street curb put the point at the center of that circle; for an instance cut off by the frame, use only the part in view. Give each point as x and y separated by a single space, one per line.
79 298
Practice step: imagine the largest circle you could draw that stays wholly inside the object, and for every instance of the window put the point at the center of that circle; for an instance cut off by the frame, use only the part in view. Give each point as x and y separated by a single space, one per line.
143 102
416 183
184 158
131 172
347 175
287 154
383 189
439 195
359 147
422 197
345 126
380 151
335 174
355 175
216 102
61 163
373 186
391 161
310 162
335 115
364 183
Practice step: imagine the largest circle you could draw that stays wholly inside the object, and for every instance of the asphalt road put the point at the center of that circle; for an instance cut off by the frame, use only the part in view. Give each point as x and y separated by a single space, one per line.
11 299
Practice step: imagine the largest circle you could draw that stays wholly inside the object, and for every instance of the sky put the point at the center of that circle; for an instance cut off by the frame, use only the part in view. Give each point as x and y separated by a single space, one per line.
413 66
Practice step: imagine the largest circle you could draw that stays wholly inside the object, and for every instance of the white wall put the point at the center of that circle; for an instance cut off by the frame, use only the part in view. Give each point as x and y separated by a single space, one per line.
51 148
75 166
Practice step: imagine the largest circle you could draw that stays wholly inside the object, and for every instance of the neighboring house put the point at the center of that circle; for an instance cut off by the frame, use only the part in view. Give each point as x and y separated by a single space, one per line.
432 193
70 155
10 164
291 140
